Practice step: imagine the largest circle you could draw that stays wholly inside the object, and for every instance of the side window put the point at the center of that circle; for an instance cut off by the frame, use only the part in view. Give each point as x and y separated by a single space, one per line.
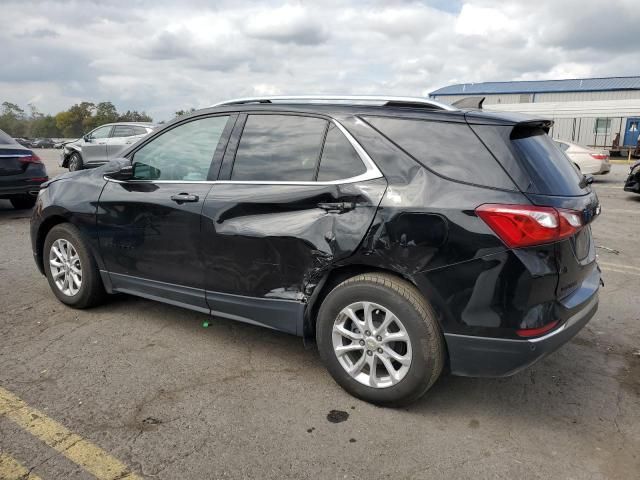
182 153
139 130
279 148
339 159
122 131
449 149
102 132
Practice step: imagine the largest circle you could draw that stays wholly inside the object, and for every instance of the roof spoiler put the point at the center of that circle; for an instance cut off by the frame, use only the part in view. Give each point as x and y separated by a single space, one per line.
474 103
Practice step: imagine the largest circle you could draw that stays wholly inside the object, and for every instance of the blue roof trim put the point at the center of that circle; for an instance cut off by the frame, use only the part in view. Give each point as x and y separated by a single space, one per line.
543 86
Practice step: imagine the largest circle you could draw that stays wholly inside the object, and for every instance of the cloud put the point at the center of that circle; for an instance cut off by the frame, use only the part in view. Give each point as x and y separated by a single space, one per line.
162 56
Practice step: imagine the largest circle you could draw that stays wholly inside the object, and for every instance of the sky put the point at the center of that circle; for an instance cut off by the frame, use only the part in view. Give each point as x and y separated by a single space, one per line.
161 56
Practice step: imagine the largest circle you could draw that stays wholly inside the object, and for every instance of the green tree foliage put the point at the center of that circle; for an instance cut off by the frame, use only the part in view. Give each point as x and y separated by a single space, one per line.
13 119
71 123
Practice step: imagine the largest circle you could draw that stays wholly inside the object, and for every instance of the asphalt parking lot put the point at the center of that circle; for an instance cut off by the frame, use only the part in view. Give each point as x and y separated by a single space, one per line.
140 389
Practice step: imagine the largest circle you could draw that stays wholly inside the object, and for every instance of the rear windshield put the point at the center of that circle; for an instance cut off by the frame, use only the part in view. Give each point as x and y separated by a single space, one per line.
6 139
549 168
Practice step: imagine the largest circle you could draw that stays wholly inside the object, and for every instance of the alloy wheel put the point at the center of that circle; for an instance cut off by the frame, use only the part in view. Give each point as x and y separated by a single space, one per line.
371 344
66 269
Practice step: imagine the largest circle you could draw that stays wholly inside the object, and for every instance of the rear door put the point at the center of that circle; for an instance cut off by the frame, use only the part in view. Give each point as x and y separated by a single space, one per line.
150 235
295 194
118 140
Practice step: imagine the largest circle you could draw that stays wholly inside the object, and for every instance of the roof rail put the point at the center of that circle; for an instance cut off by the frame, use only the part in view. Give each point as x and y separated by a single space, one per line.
378 100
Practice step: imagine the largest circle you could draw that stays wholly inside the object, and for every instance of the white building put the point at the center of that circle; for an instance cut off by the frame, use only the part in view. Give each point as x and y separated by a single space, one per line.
589 111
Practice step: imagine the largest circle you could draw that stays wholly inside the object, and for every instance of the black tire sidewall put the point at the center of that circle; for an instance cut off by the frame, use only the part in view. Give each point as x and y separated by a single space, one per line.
90 275
417 380
76 159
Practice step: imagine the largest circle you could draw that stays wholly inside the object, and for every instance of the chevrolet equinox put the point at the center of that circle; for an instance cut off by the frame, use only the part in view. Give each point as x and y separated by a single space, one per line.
403 235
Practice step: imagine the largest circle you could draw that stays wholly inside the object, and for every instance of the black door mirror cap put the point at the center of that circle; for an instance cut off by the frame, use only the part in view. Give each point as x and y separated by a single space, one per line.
119 169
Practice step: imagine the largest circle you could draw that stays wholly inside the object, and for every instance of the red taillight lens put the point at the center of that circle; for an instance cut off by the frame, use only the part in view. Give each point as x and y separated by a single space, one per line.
523 225
33 158
534 332
599 156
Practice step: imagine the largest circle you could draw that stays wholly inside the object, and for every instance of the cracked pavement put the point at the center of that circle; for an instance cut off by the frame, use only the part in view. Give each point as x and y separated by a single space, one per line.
170 399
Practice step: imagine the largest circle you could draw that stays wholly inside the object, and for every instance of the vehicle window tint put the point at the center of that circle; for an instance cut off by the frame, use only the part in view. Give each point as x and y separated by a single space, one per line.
139 130
182 153
102 132
279 148
562 146
122 131
449 149
549 168
339 158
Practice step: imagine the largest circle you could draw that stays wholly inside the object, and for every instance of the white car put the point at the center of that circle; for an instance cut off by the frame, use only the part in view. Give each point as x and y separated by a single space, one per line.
588 160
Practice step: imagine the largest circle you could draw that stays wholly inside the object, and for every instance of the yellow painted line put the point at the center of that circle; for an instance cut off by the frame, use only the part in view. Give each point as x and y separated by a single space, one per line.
11 469
80 451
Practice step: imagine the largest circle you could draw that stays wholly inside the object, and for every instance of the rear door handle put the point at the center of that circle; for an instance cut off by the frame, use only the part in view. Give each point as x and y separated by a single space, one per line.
184 197
337 206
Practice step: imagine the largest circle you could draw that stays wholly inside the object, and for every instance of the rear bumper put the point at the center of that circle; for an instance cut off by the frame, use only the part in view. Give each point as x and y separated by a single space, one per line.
499 357
20 190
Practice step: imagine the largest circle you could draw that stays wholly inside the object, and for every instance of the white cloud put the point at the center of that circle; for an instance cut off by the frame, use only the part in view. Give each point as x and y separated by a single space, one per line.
162 56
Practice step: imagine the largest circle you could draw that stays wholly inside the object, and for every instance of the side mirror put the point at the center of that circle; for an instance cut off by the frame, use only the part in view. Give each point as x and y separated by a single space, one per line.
119 169
87 138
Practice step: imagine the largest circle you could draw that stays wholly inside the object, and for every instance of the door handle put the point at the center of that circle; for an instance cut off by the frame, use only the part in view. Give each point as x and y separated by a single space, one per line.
339 207
184 197
102 143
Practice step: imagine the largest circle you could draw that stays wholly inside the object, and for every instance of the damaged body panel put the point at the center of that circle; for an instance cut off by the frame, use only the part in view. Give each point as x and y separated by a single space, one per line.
275 242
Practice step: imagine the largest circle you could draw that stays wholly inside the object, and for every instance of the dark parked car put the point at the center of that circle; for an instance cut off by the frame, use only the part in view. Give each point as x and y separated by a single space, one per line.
42 143
633 180
21 173
402 235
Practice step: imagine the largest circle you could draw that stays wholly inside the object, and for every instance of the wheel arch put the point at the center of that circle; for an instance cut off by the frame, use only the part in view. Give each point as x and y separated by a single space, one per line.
44 228
67 156
332 279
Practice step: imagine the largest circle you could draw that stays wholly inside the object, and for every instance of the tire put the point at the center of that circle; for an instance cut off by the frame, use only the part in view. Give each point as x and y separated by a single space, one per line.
91 291
23 203
75 162
389 295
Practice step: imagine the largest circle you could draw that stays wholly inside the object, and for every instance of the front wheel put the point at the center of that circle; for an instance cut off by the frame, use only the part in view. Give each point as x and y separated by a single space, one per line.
75 162
71 269
380 339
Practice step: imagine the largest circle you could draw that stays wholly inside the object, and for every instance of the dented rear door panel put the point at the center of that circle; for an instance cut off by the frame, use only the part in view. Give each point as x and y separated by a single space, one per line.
275 241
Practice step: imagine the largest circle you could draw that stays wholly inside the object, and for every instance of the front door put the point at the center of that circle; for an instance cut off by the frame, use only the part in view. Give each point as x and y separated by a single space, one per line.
94 148
289 204
150 235
631 132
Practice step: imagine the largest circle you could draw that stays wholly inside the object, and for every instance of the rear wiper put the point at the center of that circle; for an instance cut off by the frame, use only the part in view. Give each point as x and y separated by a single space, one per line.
586 180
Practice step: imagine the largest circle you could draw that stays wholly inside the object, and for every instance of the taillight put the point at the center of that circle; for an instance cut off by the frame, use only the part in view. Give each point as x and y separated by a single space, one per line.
33 158
599 156
523 225
534 332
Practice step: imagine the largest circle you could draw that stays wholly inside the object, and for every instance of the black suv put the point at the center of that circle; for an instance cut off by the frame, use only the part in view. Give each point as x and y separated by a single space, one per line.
404 236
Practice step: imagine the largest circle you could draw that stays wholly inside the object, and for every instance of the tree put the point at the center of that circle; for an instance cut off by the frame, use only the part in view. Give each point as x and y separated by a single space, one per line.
105 113
12 119
134 116
44 126
77 120
180 113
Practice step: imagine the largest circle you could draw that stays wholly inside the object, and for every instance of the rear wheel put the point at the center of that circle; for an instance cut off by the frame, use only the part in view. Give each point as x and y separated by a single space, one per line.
22 203
380 339
75 162
71 269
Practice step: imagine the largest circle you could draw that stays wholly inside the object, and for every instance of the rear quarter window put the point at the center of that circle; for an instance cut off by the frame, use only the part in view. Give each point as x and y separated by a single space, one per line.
451 150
